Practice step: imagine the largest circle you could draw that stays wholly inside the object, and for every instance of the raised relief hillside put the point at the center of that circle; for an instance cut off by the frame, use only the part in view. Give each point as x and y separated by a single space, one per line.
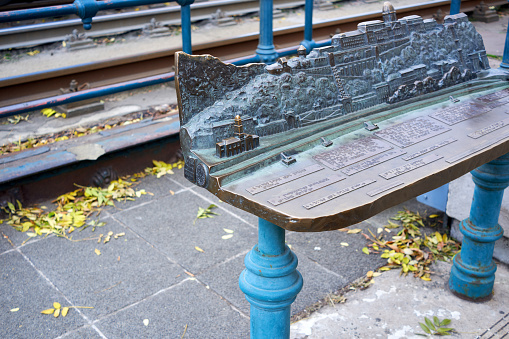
232 110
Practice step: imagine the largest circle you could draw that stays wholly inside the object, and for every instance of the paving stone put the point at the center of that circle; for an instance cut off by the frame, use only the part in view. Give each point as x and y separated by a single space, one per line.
24 288
168 224
189 304
127 270
16 237
84 332
179 178
318 282
325 248
249 218
155 188
5 245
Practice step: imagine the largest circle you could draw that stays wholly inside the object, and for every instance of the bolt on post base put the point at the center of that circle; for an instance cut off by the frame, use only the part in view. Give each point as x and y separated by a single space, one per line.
271 283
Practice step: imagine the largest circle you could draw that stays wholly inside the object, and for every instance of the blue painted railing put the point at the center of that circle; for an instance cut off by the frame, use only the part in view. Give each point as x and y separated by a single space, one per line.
87 9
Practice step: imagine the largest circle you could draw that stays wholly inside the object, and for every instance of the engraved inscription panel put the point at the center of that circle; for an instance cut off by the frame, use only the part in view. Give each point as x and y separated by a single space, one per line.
411 132
494 96
306 189
284 179
429 149
339 193
410 166
455 114
496 103
488 129
378 159
352 152
384 188
478 148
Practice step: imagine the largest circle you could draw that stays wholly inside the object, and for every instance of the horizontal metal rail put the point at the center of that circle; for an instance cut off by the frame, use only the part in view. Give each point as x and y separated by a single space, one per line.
104 25
140 68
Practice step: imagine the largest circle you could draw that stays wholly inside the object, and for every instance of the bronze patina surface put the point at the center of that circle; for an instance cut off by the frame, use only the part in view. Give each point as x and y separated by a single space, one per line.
320 142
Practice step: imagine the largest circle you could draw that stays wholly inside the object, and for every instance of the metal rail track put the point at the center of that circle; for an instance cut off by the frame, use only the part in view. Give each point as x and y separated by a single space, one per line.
114 24
45 84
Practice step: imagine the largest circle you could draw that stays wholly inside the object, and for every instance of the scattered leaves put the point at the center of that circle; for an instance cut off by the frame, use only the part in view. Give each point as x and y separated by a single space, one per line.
199 249
17 118
204 213
227 230
436 327
161 168
97 251
354 231
15 309
227 236
49 112
57 310
344 244
145 322
411 250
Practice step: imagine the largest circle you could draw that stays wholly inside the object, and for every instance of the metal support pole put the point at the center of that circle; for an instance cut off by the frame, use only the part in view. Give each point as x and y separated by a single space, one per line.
185 21
308 41
266 50
505 58
271 283
473 271
455 7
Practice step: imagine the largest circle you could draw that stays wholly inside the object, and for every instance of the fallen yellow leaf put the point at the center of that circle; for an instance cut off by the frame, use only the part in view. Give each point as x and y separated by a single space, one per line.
198 249
64 311
15 309
369 274
344 244
145 322
227 236
56 305
172 193
48 311
57 313
354 231
97 251
227 230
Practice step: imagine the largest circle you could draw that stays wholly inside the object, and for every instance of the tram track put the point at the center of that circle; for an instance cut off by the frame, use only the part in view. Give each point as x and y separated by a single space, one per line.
44 84
119 23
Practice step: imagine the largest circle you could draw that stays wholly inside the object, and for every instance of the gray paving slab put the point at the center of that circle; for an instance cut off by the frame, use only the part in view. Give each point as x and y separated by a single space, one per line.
86 332
5 245
190 304
12 237
325 248
155 188
246 217
23 287
318 283
168 224
127 270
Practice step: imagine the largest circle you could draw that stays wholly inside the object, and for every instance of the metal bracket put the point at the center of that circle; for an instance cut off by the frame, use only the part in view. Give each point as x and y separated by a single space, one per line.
326 142
370 126
287 160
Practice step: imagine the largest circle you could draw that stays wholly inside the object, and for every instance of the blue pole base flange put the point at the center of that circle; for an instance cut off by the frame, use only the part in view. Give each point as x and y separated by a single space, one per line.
470 282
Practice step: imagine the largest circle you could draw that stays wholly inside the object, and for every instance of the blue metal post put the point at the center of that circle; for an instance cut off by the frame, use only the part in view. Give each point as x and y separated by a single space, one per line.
473 270
185 21
505 58
271 283
266 50
308 27
455 7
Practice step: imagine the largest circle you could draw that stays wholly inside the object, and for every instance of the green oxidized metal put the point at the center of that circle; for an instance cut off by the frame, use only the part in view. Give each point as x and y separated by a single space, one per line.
319 142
